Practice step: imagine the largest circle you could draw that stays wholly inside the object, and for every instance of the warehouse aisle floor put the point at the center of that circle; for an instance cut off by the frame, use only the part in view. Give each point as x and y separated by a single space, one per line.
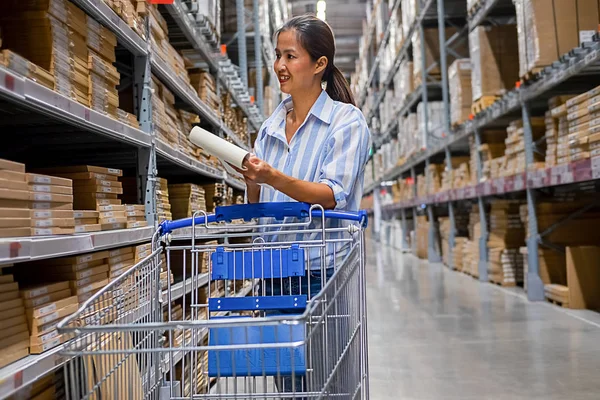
438 334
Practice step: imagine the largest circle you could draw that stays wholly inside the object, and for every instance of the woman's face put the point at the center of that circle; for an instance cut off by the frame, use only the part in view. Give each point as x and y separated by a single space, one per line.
294 68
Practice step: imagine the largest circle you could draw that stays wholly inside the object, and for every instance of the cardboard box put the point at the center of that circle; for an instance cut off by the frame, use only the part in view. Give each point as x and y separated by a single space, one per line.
63 171
111 207
51 197
14 353
97 182
15 222
113 220
48 180
41 311
39 349
70 266
9 305
11 194
81 259
9 296
134 207
14 213
85 214
43 338
37 188
51 214
494 60
86 221
40 205
112 214
13 312
53 223
88 228
113 226
97 189
14 339
136 224
120 252
90 280
87 176
14 321
14 232
122 265
47 298
92 286
55 316
37 291
14 330
13 176
13 185
9 287
120 258
52 231
12 166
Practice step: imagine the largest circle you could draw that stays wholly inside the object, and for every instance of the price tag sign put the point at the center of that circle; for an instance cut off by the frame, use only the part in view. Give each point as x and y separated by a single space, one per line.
554 180
470 192
596 167
499 185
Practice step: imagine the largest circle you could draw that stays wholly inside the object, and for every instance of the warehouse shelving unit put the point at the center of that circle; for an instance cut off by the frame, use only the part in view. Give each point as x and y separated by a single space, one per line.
51 121
575 72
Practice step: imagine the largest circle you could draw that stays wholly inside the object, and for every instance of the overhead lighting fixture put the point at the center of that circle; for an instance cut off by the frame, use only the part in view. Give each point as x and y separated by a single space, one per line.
321 8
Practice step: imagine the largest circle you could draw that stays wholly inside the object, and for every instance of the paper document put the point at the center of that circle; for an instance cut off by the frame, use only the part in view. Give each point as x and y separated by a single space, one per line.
226 152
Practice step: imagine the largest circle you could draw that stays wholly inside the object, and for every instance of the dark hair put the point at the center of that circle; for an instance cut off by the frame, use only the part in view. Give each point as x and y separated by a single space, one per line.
317 38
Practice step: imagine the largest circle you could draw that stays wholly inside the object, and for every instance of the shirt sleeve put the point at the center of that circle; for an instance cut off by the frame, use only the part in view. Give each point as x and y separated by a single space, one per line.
346 154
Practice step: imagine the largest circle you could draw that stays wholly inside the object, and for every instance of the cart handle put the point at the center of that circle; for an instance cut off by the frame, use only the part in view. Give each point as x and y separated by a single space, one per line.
277 210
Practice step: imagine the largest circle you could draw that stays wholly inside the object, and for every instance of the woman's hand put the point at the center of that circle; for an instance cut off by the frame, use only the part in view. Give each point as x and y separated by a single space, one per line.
257 171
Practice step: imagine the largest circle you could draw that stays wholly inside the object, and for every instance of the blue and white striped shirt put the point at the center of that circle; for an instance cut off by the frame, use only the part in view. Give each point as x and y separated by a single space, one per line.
330 147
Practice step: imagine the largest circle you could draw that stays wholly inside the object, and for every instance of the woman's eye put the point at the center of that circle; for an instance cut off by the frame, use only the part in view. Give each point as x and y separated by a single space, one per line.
278 56
290 56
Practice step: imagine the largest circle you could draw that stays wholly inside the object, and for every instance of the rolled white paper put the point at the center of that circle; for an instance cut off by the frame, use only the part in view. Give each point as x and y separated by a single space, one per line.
220 148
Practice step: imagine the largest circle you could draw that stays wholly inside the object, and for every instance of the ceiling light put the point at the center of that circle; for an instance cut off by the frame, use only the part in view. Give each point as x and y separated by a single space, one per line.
321 15
321 6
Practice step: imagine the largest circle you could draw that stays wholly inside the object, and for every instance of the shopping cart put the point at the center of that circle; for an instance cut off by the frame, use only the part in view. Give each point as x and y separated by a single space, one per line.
259 316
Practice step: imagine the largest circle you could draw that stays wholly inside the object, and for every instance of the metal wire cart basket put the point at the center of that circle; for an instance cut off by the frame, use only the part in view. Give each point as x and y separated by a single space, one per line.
300 333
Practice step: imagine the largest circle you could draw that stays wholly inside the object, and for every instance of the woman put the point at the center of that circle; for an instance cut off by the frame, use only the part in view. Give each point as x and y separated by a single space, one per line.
313 148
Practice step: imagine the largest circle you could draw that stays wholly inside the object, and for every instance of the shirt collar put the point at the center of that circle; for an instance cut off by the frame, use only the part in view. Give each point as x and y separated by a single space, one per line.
322 109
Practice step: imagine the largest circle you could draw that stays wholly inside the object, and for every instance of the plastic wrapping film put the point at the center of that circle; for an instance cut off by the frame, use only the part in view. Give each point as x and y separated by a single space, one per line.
472 3
403 81
474 46
459 83
409 13
431 133
387 108
408 135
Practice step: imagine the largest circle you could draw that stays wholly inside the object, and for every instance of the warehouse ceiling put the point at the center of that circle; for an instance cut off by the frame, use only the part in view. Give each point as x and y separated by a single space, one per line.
346 19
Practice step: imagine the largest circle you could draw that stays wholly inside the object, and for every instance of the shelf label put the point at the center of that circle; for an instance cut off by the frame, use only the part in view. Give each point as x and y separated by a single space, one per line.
567 177
9 82
470 192
519 182
499 185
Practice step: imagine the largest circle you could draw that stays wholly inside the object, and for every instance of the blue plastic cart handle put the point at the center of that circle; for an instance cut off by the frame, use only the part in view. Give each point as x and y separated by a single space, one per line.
275 210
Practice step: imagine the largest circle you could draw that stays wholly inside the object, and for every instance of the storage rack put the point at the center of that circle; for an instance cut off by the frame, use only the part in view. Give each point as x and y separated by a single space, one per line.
575 72
40 121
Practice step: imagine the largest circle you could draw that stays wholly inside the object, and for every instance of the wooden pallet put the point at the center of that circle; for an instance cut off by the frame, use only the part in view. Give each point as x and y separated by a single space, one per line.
482 103
503 284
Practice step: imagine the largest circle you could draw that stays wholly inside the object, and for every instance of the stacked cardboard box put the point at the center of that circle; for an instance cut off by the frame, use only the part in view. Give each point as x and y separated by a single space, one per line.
46 304
515 146
159 39
120 260
422 237
163 206
583 121
461 222
552 266
471 251
55 190
433 178
506 236
555 117
53 35
432 53
103 82
97 188
234 118
136 215
15 216
185 123
142 251
185 199
20 65
505 266
494 60
15 334
129 11
544 37
215 194
164 114
403 82
87 221
206 87
458 176
459 84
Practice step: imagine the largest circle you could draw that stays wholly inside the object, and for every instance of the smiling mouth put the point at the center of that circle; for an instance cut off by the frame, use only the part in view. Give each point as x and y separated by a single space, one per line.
283 79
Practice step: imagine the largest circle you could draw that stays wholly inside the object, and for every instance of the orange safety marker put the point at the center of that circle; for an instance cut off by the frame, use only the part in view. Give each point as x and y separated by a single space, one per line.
223 49
471 117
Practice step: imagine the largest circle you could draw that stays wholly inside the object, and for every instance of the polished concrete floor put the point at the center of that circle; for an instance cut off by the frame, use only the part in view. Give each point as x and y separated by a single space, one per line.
438 334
